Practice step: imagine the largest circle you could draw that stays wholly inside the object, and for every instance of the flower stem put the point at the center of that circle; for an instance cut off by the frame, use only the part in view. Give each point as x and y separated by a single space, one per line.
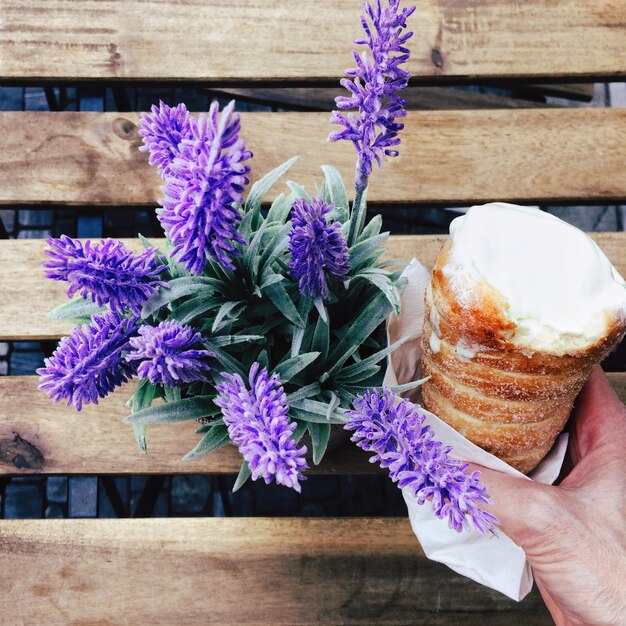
357 219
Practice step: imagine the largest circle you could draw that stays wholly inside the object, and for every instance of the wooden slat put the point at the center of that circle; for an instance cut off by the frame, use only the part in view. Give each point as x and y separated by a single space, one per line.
253 40
450 157
27 295
237 571
40 437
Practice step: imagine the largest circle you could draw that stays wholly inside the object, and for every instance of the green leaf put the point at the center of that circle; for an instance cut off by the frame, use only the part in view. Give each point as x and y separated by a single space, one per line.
175 268
374 359
320 433
299 431
262 186
78 311
147 245
296 341
317 412
263 359
172 394
336 191
408 386
216 438
363 374
299 190
366 250
251 252
142 399
304 392
321 338
279 211
139 432
333 404
229 311
360 329
179 411
242 477
245 226
372 229
386 287
289 368
281 300
274 250
321 309
189 310
231 340
357 216
179 288
271 278
229 364
346 396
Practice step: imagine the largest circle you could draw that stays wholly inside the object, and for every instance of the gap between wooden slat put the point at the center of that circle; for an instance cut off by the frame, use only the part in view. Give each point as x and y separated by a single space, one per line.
38 436
417 98
446 157
302 40
28 296
238 571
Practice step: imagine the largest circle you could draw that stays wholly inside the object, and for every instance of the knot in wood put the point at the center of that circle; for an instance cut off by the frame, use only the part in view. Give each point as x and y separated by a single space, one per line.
20 453
125 129
436 57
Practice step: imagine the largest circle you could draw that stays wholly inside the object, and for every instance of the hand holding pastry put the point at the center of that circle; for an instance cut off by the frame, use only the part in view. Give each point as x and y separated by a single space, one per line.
574 535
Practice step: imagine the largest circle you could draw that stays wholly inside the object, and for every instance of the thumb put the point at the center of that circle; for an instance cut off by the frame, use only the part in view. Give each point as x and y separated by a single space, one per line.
598 415
519 504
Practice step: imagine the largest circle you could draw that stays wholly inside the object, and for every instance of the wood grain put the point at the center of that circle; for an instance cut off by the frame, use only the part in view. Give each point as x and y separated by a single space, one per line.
238 571
40 437
448 157
28 296
302 40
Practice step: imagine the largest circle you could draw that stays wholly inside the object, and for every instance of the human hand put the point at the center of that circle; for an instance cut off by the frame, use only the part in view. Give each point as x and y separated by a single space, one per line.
574 534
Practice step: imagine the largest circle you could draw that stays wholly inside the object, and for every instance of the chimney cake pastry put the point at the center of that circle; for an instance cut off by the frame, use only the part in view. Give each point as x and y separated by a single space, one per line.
520 308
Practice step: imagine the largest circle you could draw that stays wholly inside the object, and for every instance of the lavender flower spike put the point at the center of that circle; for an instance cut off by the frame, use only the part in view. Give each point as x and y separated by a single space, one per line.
171 354
106 271
258 424
376 79
318 249
89 363
203 188
403 444
162 131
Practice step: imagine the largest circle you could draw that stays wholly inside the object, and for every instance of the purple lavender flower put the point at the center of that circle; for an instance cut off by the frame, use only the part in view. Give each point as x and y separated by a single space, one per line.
318 249
403 444
171 354
89 364
258 424
162 131
204 185
106 271
377 78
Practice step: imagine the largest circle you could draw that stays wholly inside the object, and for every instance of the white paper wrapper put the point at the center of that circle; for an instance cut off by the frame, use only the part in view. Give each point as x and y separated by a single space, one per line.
494 561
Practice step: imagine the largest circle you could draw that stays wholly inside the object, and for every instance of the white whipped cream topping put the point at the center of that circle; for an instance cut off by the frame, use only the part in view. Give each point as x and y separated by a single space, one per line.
561 289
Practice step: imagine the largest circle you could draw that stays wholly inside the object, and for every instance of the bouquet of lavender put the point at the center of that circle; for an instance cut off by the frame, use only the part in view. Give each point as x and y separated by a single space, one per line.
261 324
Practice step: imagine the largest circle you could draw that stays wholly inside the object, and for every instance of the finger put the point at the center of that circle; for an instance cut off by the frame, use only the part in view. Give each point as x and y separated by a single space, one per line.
598 416
557 614
516 502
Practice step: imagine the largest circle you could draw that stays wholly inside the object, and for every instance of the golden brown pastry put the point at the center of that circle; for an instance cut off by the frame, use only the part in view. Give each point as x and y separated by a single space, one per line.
520 308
